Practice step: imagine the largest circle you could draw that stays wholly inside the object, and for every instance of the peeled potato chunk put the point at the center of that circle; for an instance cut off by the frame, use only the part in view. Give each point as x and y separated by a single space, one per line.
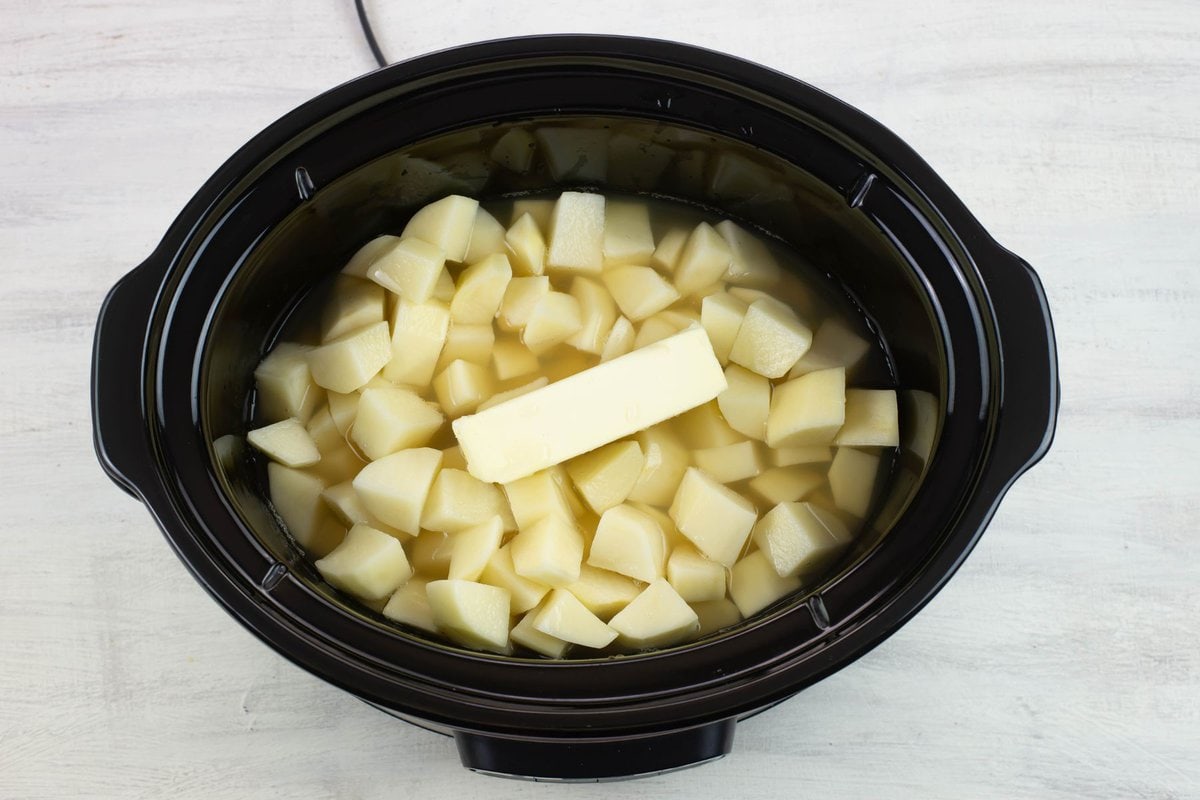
487 238
447 223
296 496
526 247
704 426
804 454
872 419
500 571
286 442
540 210
704 260
754 584
555 318
480 290
771 339
462 386
347 506
721 315
751 262
597 311
526 635
351 304
656 617
564 617
457 500
472 343
368 254
670 246
666 459
800 538
731 462
627 237
606 476
602 592
419 333
807 410
393 419
629 542
512 360
714 517
619 340
852 480
394 488
473 548
785 484
520 298
368 563
474 614
410 605
285 385
654 329
578 154
537 496
348 362
549 551
694 577
514 150
833 345
746 403
715 615
410 269
577 233
639 291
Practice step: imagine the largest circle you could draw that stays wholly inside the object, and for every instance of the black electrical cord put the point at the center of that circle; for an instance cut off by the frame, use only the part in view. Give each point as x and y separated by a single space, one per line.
369 34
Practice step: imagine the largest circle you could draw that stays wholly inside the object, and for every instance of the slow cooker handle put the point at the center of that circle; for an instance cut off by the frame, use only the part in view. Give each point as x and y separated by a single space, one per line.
118 412
1029 388
591 760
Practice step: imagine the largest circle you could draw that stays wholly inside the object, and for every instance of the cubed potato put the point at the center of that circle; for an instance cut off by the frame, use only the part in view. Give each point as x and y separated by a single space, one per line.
921 417
431 553
512 360
377 382
671 534
666 459
228 450
500 571
754 584
872 419
670 247
808 410
852 475
393 419
540 210
715 615
524 634
598 313
368 254
296 497
746 403
752 262
368 563
457 500
732 462
605 476
487 238
324 431
472 343
343 408
554 319
804 454
480 290
785 484
411 269
409 605
696 578
394 488
549 551
627 236
443 290
576 154
721 315
771 339
655 618
635 162
833 345
516 391
462 386
602 592
577 234
654 329
704 260
639 291
351 304
347 506
526 246
474 547
520 298
514 150
713 517
286 442
348 362
564 617
536 497
704 426
619 340
735 178
629 542
473 614
285 385
446 223
419 333
338 465
800 539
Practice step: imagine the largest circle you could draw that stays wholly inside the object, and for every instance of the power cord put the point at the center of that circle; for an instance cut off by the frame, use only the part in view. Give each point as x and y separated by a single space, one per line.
369 34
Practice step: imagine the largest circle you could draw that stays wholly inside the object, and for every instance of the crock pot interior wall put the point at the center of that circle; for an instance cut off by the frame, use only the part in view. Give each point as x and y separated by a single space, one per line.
756 187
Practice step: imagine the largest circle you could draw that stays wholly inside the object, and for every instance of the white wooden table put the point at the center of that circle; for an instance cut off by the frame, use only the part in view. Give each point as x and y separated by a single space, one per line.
1064 659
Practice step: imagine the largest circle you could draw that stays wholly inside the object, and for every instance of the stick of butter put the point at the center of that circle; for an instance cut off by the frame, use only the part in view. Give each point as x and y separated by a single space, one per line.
591 408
